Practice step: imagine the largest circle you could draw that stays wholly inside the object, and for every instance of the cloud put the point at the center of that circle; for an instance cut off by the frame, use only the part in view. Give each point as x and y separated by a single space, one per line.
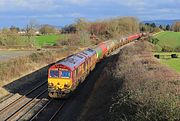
45 16
36 5
78 2
53 11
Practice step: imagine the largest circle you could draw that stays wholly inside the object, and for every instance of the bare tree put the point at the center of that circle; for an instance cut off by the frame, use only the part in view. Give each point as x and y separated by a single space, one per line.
47 29
81 24
176 27
31 27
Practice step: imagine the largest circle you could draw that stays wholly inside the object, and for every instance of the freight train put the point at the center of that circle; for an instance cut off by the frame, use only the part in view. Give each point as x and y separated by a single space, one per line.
65 76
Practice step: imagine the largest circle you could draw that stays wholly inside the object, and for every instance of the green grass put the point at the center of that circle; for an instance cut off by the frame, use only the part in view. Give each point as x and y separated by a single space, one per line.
172 63
47 39
170 39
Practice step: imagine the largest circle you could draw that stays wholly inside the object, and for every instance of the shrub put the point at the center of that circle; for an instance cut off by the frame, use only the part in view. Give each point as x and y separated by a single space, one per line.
154 40
167 49
156 30
177 49
55 44
78 39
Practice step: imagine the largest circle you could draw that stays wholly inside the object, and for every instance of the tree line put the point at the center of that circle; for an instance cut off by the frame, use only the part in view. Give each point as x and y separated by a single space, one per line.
82 30
152 27
105 29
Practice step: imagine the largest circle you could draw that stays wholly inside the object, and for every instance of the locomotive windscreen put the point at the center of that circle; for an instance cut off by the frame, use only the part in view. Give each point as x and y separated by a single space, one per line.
65 74
54 73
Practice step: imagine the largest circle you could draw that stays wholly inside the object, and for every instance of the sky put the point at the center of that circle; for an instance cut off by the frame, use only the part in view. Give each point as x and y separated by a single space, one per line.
63 12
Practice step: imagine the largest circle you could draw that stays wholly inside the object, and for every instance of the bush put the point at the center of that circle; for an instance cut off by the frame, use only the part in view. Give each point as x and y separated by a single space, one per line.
78 39
154 40
156 30
167 49
177 49
55 44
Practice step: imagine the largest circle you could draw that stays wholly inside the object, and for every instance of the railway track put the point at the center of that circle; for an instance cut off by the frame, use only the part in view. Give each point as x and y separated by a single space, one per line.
6 97
16 115
15 109
49 111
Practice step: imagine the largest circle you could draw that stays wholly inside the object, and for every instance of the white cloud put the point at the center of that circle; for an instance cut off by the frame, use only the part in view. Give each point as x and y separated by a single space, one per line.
79 2
134 3
50 10
45 16
13 5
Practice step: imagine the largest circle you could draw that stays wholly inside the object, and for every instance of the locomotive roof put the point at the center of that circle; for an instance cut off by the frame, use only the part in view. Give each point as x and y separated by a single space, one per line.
88 52
76 59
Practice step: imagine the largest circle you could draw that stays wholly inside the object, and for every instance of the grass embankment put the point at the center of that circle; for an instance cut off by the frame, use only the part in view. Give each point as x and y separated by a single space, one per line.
149 91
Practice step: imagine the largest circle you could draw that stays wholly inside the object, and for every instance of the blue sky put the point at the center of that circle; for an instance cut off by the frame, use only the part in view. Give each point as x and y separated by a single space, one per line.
62 12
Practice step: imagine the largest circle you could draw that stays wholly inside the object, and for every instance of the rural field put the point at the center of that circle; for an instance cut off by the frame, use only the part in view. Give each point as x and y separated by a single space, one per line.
172 40
44 40
172 63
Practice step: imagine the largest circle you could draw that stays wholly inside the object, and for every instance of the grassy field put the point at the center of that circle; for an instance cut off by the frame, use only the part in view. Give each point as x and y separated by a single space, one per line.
172 63
171 39
47 39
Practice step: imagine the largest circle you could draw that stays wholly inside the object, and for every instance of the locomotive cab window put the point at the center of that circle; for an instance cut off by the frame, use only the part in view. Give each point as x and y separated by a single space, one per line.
54 73
66 74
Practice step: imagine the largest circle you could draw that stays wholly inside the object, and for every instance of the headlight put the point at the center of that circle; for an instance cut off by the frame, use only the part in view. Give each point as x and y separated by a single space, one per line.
66 86
50 84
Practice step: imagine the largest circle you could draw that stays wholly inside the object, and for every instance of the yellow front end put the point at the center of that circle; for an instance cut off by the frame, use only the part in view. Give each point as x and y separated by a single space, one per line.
59 87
